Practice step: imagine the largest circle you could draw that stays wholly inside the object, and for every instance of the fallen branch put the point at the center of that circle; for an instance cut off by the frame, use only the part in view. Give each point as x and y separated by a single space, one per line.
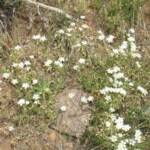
38 4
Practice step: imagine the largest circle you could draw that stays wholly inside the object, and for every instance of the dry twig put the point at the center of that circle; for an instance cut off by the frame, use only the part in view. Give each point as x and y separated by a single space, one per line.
49 8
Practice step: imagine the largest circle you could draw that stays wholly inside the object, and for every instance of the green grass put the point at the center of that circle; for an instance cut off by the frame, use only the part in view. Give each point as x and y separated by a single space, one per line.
116 14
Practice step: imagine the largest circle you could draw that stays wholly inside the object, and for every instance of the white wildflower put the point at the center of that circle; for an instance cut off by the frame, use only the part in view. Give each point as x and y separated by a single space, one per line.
111 109
21 65
117 83
61 59
138 64
27 63
113 70
39 37
133 47
63 108
34 81
14 65
48 62
115 51
28 68
81 61
36 96
136 55
131 39
43 38
110 39
84 100
76 45
59 64
116 90
25 86
118 75
122 146
90 99
132 31
22 102
37 102
68 34
108 124
72 24
18 47
124 45
113 117
120 135
113 138
108 98
82 17
119 123
84 42
71 95
101 37
85 26
31 56
142 90
27 102
138 136
75 67
11 128
100 32
132 142
110 79
131 84
70 29
126 127
80 29
126 78
6 75
36 37
61 31
14 81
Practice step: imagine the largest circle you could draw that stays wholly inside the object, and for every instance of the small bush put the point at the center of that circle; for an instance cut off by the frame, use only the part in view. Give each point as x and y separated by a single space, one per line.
117 13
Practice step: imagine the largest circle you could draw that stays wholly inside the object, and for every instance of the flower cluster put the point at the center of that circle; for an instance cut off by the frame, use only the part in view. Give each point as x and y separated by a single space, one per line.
127 46
86 100
6 75
142 90
80 63
26 65
116 122
120 137
22 102
59 62
117 79
17 47
40 38
109 39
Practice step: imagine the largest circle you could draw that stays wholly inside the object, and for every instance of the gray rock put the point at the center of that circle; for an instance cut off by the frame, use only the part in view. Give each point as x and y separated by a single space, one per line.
76 118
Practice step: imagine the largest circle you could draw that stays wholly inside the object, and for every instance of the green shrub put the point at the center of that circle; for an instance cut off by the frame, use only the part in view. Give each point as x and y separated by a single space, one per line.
117 13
